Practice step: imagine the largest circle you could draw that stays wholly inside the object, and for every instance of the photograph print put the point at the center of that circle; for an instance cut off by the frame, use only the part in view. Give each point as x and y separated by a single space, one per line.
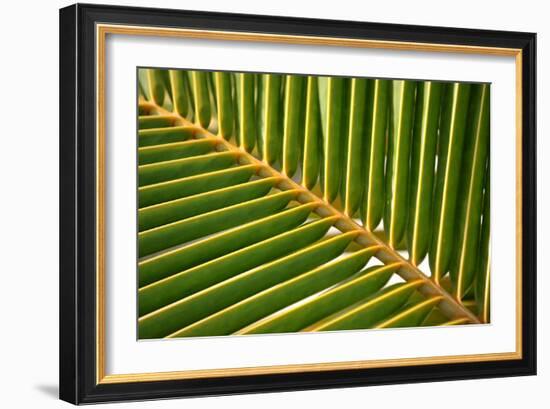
292 203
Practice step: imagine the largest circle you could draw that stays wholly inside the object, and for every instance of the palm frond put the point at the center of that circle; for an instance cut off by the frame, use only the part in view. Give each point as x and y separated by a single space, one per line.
261 197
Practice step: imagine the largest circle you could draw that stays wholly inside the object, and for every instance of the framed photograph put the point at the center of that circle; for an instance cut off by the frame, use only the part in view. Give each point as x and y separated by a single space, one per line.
257 203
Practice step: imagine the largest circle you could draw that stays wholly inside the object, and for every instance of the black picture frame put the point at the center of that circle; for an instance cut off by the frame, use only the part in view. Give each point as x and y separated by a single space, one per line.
78 357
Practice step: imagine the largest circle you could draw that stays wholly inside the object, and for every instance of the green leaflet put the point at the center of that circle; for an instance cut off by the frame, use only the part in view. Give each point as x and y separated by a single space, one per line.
156 121
293 126
453 124
357 138
177 260
259 103
247 110
415 298
412 316
192 112
235 95
397 167
192 185
141 94
334 134
365 314
157 85
428 102
201 95
162 237
335 299
197 278
482 288
179 86
168 97
279 296
143 84
313 135
159 136
270 118
168 212
373 199
213 94
224 100
168 320
175 150
434 317
179 168
470 197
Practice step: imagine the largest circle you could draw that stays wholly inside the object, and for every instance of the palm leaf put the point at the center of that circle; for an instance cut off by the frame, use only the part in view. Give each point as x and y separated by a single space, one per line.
313 135
156 86
333 131
412 315
482 288
270 123
252 229
225 104
247 110
470 208
178 168
293 128
171 262
172 319
192 228
397 166
180 92
374 196
176 150
366 313
201 95
453 126
354 176
428 102
179 209
187 282
162 130
338 298
157 121
192 185
258 306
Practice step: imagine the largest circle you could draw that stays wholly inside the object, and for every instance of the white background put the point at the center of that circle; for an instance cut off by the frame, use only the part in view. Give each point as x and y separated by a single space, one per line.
29 205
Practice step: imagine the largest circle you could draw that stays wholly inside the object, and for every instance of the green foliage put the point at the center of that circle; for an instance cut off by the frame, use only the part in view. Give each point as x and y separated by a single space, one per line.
375 154
423 157
236 172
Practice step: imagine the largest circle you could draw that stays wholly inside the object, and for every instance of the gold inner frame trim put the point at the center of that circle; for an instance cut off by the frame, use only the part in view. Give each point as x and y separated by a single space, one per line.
101 33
